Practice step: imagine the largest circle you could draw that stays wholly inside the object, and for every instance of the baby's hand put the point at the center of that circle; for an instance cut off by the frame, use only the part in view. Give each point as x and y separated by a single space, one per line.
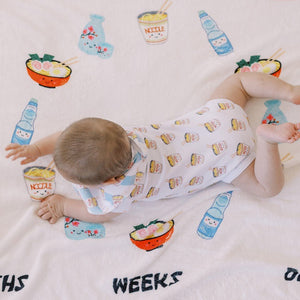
30 152
52 208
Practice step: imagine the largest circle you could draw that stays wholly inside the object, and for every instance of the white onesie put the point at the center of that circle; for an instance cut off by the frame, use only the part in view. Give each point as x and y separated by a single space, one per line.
213 143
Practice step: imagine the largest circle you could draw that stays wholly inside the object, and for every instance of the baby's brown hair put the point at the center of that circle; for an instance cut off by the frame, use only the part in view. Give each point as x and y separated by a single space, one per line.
92 150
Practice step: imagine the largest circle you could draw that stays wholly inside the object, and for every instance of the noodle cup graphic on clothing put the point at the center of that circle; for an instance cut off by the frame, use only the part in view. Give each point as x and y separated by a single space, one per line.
167 138
191 137
196 180
150 144
219 147
197 159
212 125
202 111
153 191
138 189
237 125
242 149
174 159
155 167
175 182
155 126
225 106
40 182
154 27
219 171
182 122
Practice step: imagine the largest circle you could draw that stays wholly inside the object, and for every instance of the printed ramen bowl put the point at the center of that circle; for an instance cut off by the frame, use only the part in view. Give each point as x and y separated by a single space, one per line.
40 182
152 236
271 67
56 74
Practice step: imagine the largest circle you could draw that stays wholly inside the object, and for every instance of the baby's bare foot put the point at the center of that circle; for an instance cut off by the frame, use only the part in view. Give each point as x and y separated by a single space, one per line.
275 134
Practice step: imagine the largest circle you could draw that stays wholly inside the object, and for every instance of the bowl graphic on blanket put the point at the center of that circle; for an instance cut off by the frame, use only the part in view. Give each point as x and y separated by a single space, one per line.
255 64
47 72
152 236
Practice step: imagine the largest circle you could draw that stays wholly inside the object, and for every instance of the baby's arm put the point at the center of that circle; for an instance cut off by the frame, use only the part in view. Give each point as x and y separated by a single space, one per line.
57 206
31 152
240 87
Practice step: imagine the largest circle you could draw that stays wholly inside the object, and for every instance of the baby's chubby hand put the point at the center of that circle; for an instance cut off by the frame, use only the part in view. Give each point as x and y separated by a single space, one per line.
29 152
52 208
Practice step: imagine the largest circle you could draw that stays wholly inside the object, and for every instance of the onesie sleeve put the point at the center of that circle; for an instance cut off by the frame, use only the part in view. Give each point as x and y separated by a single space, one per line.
99 202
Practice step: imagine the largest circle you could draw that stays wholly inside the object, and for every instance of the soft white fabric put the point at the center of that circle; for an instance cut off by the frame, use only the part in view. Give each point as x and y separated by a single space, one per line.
140 83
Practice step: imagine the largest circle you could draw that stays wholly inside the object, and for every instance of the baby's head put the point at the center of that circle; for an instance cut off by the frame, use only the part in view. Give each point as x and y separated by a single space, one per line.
92 151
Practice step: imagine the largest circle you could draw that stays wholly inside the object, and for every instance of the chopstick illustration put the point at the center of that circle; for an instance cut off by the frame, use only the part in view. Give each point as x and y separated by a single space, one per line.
51 166
286 158
276 55
164 7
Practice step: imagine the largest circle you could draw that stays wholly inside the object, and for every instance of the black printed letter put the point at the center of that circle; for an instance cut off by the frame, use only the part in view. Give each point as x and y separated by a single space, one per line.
120 284
174 277
159 281
292 276
5 283
145 282
18 288
133 282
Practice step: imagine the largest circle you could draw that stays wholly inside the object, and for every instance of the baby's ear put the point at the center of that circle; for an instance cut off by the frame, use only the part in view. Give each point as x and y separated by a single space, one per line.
111 181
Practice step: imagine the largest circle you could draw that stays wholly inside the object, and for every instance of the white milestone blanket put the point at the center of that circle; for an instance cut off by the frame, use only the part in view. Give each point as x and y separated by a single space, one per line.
127 62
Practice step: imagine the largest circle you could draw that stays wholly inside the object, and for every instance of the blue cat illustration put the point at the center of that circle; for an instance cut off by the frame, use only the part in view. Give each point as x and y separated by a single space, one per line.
92 39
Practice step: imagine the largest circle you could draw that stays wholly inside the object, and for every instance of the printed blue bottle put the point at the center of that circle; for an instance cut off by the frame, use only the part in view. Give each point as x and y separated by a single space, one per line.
273 114
217 38
25 127
213 218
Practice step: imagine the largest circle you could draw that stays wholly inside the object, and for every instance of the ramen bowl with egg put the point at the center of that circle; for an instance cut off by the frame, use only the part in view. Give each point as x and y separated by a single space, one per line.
267 66
40 182
154 26
152 236
49 74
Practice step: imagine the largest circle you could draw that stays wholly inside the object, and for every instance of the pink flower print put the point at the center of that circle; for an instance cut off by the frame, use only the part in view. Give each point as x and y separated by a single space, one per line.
105 49
91 29
75 223
264 122
91 37
270 117
67 219
85 31
96 231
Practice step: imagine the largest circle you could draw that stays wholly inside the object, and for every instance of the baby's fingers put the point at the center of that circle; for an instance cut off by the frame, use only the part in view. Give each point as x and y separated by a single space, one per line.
12 146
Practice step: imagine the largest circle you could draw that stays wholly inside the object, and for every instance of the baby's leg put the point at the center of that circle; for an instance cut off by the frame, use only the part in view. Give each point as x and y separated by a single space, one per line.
264 177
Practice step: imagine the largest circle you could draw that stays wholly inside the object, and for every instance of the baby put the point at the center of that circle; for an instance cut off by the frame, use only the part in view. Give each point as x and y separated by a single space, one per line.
111 167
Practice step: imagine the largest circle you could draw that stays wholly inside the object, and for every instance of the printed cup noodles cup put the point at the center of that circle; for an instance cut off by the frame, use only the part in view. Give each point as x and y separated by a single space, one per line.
154 26
40 182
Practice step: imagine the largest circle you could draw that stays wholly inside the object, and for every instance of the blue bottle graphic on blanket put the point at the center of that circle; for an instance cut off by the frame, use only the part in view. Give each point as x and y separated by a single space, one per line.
273 114
213 218
25 127
216 37
92 39
78 230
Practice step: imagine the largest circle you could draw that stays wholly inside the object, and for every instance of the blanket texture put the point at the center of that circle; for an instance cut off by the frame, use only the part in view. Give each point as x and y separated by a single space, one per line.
123 61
